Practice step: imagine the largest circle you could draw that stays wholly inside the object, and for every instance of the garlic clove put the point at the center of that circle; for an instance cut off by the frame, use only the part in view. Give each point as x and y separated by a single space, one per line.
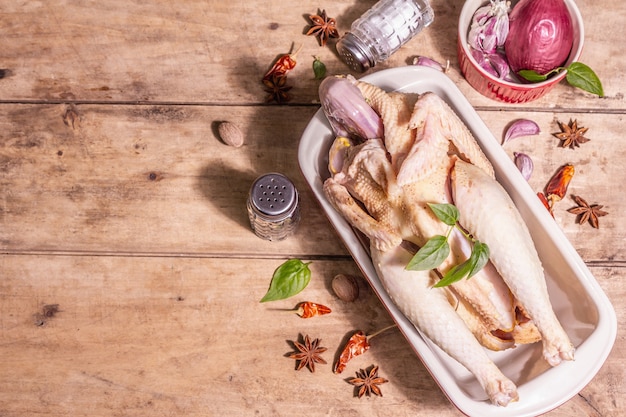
524 163
521 127
499 64
490 27
431 63
483 61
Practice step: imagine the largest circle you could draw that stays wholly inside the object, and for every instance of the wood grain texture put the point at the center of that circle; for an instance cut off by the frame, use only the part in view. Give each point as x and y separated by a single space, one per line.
157 179
129 276
158 51
148 179
182 336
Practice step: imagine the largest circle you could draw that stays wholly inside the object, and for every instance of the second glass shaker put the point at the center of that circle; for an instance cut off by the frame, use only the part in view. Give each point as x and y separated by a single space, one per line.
382 30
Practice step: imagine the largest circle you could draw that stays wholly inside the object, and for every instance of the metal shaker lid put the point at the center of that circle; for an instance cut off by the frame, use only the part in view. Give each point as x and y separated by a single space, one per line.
351 51
273 195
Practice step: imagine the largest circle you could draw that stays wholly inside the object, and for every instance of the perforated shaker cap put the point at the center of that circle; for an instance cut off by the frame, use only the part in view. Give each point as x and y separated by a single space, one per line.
274 195
352 52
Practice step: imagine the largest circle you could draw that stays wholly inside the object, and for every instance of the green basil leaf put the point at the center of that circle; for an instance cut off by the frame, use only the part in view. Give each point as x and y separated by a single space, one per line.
532 75
455 274
319 69
477 260
431 255
289 279
447 213
581 76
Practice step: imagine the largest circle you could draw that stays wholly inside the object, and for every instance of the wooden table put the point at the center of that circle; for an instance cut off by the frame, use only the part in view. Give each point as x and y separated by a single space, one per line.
129 277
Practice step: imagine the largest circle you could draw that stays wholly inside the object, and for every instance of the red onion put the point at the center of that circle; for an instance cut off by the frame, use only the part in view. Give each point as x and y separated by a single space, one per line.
347 111
540 37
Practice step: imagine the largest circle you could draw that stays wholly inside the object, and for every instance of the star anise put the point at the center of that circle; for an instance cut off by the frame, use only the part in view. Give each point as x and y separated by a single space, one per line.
587 212
308 353
277 88
571 135
323 27
368 382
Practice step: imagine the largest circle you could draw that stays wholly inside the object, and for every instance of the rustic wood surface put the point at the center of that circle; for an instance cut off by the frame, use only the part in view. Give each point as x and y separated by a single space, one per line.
129 276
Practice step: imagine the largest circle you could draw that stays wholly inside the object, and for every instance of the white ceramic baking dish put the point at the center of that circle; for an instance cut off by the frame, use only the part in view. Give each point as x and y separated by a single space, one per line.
580 304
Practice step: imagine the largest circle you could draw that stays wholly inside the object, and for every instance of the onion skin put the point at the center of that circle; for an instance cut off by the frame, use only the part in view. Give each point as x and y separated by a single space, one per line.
347 111
541 35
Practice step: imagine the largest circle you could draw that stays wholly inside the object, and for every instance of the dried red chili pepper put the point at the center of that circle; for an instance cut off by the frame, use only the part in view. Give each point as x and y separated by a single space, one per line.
308 309
545 202
282 66
557 186
357 345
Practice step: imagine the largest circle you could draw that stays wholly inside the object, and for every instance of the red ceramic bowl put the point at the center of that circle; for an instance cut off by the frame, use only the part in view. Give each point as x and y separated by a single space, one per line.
506 91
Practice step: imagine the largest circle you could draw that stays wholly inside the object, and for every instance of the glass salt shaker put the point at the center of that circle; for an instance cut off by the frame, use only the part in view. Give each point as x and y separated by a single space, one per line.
382 30
273 207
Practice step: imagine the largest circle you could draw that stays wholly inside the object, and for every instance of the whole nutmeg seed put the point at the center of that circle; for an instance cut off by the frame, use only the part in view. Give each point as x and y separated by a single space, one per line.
230 134
345 287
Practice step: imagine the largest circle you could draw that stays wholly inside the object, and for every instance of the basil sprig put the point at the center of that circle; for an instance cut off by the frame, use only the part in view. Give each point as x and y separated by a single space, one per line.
437 249
289 279
578 75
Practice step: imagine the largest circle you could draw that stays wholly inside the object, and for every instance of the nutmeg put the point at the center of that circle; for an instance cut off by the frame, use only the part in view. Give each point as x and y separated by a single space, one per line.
345 287
230 134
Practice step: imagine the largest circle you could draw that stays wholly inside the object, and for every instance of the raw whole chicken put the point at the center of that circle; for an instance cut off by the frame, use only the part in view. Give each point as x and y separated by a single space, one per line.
383 185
